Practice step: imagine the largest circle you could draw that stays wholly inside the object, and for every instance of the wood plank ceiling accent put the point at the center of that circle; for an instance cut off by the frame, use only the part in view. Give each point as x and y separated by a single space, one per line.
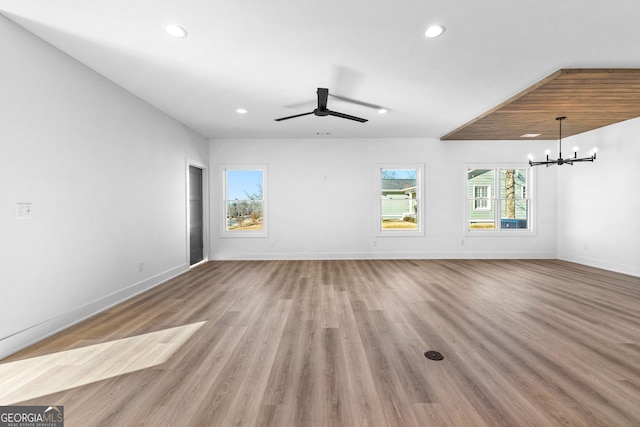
589 98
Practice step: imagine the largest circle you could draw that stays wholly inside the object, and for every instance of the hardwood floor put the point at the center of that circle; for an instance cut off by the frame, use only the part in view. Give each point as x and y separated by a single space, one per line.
341 343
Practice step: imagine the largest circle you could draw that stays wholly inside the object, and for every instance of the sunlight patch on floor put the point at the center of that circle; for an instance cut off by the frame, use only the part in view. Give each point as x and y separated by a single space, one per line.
39 376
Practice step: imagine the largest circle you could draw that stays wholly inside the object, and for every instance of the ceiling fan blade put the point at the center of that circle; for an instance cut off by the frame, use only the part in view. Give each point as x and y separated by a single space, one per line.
323 94
355 101
345 116
293 117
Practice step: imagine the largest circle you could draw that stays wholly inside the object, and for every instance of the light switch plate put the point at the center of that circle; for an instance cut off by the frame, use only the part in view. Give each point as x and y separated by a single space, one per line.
25 210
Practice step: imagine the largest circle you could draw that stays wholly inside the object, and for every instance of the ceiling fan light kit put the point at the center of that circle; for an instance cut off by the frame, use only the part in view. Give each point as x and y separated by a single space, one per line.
322 110
560 161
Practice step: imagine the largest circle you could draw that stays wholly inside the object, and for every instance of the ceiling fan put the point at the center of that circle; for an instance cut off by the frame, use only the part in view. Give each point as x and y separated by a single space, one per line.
322 110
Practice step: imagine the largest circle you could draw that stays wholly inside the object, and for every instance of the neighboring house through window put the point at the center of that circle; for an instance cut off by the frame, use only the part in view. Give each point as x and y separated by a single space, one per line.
506 209
400 207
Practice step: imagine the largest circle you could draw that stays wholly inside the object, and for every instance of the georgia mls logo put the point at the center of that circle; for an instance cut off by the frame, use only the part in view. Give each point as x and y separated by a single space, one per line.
31 416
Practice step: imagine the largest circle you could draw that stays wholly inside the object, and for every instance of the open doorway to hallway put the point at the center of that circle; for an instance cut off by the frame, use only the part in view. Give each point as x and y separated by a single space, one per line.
196 211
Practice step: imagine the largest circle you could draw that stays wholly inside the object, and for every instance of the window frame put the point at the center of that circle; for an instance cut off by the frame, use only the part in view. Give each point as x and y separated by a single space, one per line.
224 233
420 205
496 200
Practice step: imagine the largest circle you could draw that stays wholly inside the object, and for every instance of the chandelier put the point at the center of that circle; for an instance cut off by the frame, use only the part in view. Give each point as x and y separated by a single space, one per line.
560 161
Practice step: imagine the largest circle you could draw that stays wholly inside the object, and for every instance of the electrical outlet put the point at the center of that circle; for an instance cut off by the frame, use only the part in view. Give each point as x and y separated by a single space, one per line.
140 265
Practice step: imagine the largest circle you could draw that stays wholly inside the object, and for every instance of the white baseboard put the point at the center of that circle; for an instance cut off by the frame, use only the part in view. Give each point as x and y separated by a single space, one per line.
632 270
35 333
265 256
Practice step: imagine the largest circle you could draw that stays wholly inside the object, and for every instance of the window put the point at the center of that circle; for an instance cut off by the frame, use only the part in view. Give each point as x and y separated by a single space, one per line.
481 194
400 206
504 210
244 201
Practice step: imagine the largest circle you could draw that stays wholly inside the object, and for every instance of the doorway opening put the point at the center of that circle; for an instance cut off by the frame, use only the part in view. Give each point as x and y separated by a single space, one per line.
196 213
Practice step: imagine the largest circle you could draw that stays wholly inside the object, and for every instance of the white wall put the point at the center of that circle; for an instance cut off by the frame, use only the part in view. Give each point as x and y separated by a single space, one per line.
322 197
105 173
599 203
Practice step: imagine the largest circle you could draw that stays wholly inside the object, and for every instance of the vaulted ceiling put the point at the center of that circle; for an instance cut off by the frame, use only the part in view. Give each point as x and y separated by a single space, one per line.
270 57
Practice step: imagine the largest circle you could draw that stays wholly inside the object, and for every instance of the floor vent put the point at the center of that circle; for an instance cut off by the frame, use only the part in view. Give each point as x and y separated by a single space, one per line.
433 355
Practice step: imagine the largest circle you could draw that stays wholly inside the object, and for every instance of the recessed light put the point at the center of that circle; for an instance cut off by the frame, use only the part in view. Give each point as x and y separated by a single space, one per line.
176 31
383 111
241 111
529 135
434 31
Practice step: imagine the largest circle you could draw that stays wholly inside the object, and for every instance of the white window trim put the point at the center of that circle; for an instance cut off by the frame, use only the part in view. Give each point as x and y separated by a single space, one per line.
420 192
224 233
498 231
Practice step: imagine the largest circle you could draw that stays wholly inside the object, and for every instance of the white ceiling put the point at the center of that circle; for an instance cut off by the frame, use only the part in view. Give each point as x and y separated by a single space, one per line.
270 56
